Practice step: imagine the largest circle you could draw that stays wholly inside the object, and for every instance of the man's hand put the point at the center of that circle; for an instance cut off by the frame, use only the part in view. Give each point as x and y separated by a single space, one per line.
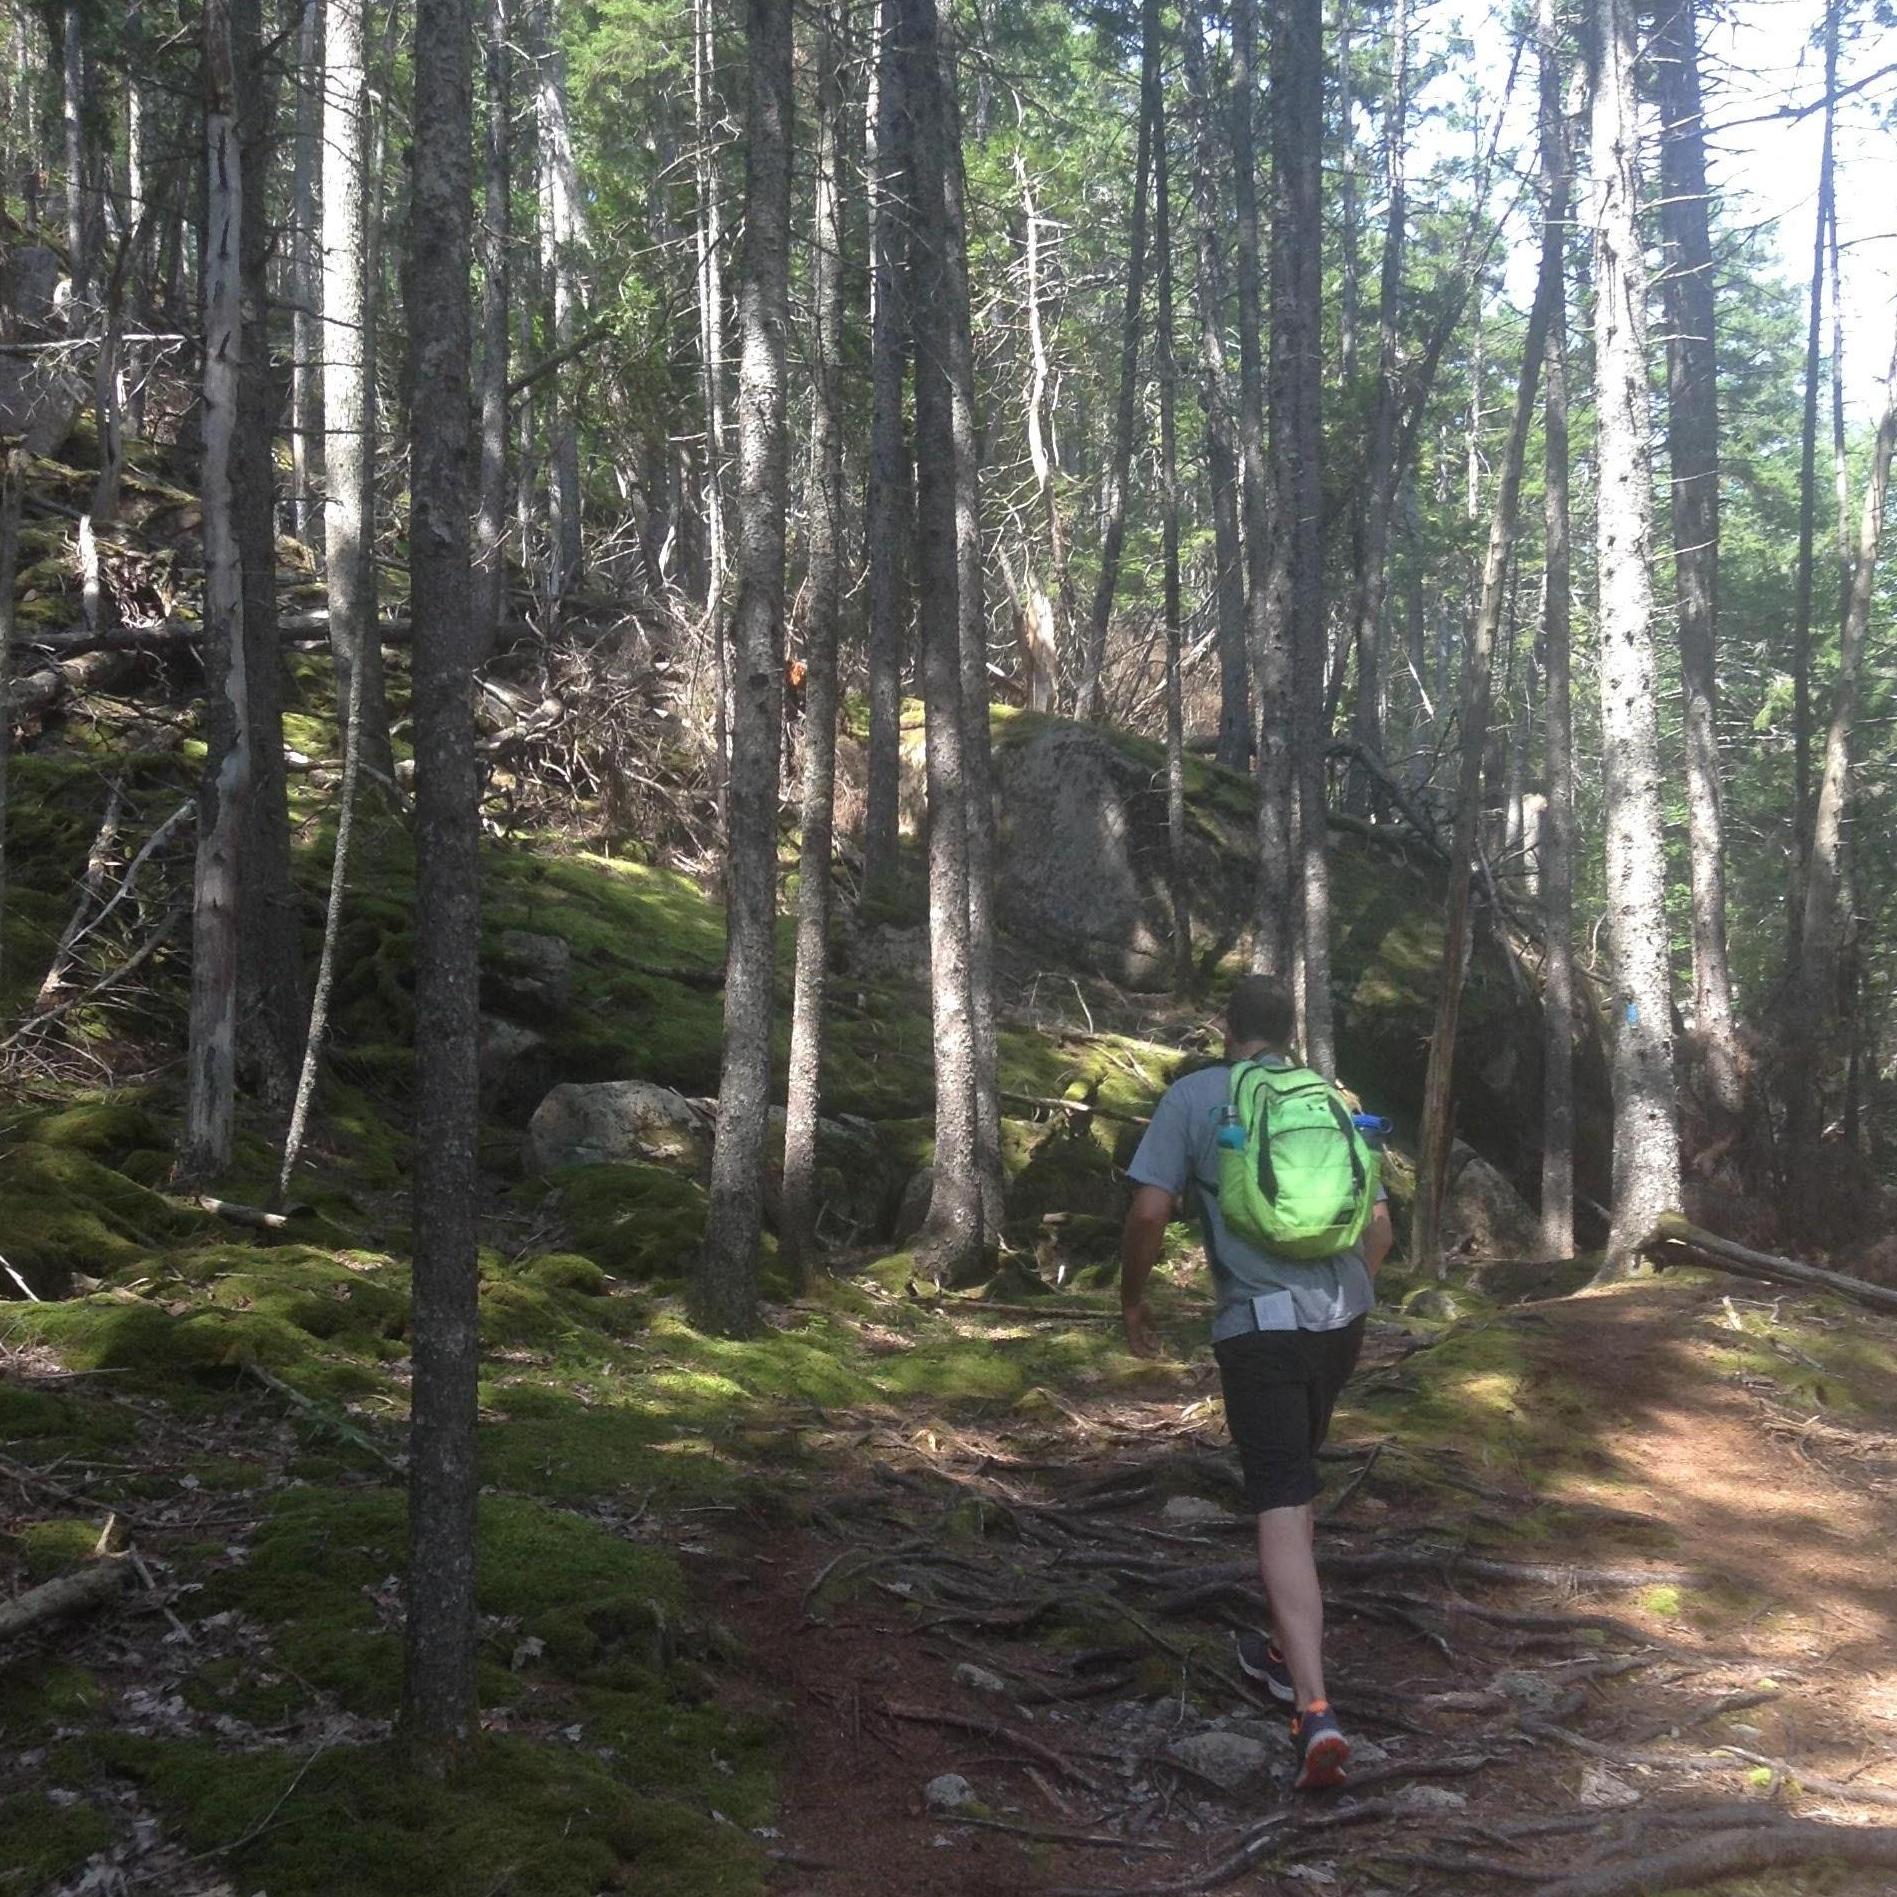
1142 1330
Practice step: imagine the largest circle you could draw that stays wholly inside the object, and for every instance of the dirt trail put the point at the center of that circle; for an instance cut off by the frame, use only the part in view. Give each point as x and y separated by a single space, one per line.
1087 1559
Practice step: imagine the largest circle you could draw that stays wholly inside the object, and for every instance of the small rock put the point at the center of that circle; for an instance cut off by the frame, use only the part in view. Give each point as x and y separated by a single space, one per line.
1368 1752
532 977
950 1792
978 1679
1228 1759
1185 1511
1535 1691
1431 1798
1602 1791
1432 1301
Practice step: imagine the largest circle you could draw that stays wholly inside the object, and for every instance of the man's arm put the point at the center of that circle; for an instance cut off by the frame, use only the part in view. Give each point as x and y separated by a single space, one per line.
1141 1243
1378 1237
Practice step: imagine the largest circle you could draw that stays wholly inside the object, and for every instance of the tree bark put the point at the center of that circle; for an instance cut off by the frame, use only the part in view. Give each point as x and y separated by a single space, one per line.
80 221
951 1240
490 531
709 236
1041 631
224 789
889 516
12 483
439 1720
1216 399
1693 445
1557 826
306 278
1646 1110
349 302
823 593
270 922
1347 294
1092 702
1436 1136
724 1292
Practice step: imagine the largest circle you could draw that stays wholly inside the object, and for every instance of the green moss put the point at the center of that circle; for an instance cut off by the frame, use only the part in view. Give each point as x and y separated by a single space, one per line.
54 1547
44 1842
565 1271
67 1214
38 1693
77 1422
104 1126
636 1221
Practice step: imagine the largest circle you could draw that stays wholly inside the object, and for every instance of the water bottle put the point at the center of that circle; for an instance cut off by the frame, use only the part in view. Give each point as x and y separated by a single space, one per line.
1231 1129
1373 1126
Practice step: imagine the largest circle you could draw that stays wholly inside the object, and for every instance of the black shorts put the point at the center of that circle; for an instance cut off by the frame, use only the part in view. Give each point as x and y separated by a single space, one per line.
1280 1388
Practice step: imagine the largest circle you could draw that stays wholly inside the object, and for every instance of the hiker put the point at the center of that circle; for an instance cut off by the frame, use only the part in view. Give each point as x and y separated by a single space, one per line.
1295 1225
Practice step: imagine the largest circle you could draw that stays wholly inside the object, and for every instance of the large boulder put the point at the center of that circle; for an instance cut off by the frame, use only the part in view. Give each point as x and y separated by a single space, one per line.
617 1121
1483 1215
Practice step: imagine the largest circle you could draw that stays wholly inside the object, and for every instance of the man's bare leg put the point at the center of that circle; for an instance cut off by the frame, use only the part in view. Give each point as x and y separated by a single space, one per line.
1287 1563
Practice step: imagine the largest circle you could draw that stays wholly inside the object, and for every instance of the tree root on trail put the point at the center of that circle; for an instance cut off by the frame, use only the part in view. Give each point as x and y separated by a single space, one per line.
1726 1854
999 1731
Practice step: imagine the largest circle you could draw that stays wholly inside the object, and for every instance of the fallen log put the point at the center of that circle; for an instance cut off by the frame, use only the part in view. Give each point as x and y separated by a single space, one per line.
1676 1240
97 670
86 1587
1725 1854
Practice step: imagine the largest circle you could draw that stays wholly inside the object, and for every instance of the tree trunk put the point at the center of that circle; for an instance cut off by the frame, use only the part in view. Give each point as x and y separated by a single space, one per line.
1808 507
1364 614
270 922
951 1239
80 222
1817 993
348 399
1436 1135
710 240
889 517
439 1721
12 482
566 244
1693 445
1556 864
1041 631
1092 702
224 789
1216 398
1154 101
724 1293
1646 1109
1271 945
1297 348
824 595
306 278
1347 296
490 531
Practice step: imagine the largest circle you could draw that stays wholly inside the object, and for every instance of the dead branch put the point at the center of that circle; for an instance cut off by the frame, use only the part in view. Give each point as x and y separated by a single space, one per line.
89 886
252 1216
1731 1854
319 1416
1676 1241
151 945
85 1588
999 1731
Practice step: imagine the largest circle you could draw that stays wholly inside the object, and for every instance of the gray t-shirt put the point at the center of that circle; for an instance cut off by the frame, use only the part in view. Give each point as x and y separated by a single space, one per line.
1179 1154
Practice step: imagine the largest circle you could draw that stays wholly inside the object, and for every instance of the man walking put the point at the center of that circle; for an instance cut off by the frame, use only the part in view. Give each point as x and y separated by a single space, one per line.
1288 1324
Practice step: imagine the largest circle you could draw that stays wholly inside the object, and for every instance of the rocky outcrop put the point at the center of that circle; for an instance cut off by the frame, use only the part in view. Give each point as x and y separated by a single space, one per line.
616 1121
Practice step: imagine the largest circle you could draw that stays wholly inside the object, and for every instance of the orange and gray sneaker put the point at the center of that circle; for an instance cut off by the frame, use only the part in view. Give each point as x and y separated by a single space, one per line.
1323 1751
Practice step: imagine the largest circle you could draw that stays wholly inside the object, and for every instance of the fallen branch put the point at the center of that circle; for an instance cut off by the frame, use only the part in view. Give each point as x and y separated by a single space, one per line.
321 1417
252 1216
998 1730
1732 1854
85 1588
1675 1235
151 945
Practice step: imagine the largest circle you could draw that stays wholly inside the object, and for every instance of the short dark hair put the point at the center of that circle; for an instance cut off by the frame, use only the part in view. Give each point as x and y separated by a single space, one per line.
1260 1010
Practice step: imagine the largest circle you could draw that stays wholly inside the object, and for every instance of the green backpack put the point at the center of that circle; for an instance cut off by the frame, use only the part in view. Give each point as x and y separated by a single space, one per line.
1296 1178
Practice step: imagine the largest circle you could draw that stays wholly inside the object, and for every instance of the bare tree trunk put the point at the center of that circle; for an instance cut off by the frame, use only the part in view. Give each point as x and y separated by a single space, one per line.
79 219
567 244
1556 865
951 1239
12 481
972 644
1364 613
1273 917
1693 444
306 277
1818 992
1154 101
1347 298
490 531
1808 505
1092 702
724 1292
1646 1109
889 516
270 922
210 1103
1235 738
1436 1135
439 1721
824 595
348 399
1041 631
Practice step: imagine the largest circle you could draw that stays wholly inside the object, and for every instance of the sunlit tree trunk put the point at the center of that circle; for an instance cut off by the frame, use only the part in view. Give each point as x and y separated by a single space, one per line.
12 485
567 244
823 592
888 504
1646 1109
80 222
212 1035
1693 449
724 1292
490 529
306 277
439 1720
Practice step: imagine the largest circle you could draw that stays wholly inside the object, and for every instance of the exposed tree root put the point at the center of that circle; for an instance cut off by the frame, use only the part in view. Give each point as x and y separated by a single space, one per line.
1725 1854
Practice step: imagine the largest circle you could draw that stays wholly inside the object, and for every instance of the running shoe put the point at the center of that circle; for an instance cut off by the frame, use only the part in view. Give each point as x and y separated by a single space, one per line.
1323 1751
1260 1660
